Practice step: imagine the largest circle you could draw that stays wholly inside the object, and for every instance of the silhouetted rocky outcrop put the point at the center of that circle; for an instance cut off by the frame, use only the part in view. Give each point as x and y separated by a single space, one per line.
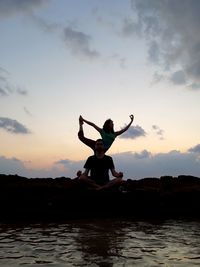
41 199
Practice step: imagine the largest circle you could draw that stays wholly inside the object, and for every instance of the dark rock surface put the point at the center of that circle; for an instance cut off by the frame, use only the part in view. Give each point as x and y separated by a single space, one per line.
59 199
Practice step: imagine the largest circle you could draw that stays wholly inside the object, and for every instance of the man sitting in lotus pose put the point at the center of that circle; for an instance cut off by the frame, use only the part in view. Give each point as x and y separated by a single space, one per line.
99 165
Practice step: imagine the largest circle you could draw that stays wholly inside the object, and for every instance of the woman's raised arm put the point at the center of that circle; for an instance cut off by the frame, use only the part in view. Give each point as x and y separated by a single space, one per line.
126 127
92 124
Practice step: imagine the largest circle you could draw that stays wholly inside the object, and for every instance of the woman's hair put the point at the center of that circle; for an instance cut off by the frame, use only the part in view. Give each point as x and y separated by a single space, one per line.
106 126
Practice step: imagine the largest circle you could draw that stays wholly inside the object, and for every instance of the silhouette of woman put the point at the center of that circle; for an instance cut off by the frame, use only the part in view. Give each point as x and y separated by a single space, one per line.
107 132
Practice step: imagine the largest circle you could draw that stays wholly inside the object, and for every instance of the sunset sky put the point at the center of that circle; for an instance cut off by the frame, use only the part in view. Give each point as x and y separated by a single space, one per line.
101 59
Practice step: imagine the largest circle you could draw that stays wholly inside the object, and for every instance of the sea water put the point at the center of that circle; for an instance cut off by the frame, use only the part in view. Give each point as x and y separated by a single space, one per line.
102 242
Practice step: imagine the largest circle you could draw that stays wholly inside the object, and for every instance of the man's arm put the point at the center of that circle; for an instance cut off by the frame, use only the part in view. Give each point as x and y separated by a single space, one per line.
92 124
116 174
125 128
84 174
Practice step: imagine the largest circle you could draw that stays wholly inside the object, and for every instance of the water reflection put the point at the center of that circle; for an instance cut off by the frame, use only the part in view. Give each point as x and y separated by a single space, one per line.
102 243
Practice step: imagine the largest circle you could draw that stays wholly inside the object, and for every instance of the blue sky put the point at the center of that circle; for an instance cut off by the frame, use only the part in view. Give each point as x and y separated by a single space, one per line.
101 59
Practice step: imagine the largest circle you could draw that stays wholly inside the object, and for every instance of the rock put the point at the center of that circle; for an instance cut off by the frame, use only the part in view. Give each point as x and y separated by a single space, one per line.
62 198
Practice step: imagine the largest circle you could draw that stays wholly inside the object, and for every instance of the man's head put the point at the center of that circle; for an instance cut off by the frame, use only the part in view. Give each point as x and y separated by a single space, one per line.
99 146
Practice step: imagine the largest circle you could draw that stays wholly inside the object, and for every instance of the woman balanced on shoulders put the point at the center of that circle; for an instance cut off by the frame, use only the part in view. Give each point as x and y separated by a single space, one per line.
107 132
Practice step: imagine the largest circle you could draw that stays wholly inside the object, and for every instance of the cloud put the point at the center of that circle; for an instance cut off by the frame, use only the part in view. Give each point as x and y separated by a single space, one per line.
3 92
171 31
21 91
27 111
195 149
133 132
44 24
153 53
134 165
173 163
64 162
13 126
142 155
2 70
158 131
17 166
6 86
130 28
12 7
194 86
178 77
11 166
79 43
120 60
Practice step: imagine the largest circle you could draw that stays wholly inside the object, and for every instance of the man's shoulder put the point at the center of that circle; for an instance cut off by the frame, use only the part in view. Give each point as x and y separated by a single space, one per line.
91 157
95 157
107 157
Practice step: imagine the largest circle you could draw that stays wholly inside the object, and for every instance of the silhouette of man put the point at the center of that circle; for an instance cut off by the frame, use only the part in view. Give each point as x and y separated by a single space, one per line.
99 165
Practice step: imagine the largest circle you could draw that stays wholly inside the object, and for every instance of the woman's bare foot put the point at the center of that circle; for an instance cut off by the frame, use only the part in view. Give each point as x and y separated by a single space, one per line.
80 120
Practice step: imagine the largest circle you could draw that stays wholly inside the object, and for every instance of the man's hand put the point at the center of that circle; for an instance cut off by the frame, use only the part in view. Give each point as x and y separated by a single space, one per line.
120 175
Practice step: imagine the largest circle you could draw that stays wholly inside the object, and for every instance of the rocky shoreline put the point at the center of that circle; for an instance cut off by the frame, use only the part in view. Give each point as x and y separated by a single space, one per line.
47 199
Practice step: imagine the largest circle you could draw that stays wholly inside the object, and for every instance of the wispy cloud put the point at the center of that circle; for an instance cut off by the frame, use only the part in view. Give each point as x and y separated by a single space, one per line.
130 28
21 91
2 70
171 30
64 162
158 131
13 126
79 43
46 26
27 111
6 86
3 92
121 61
13 7
133 132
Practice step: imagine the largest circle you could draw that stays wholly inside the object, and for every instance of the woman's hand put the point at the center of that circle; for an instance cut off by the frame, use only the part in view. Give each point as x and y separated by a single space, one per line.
131 117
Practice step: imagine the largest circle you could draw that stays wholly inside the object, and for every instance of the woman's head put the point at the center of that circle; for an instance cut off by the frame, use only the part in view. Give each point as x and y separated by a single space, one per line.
108 126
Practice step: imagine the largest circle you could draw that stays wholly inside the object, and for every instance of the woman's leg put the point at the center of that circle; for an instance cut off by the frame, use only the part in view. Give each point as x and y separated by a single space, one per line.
86 141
